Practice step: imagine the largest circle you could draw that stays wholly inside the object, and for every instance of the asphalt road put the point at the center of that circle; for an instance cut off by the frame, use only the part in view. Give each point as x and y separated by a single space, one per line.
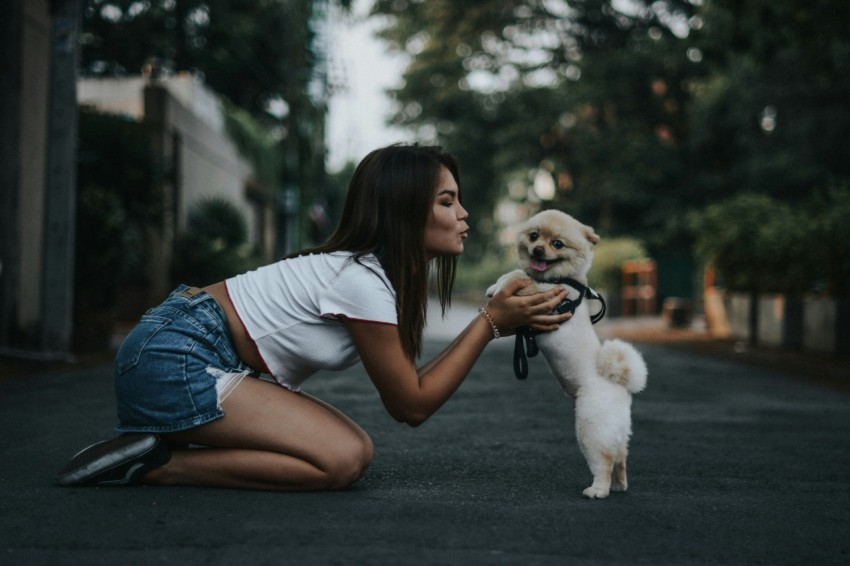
729 464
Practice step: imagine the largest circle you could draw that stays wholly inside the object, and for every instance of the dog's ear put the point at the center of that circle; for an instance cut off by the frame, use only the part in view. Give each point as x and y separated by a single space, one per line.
591 236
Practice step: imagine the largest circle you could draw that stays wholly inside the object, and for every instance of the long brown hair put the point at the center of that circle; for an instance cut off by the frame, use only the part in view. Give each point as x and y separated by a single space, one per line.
389 199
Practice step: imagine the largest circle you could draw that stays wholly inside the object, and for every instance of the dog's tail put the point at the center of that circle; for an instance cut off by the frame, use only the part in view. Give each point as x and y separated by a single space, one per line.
621 363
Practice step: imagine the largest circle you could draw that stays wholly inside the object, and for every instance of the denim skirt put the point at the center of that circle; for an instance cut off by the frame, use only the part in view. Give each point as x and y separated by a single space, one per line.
177 364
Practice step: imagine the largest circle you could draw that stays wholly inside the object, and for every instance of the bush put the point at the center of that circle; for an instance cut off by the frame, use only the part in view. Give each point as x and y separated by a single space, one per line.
214 246
830 248
114 205
474 276
109 248
255 143
606 275
757 243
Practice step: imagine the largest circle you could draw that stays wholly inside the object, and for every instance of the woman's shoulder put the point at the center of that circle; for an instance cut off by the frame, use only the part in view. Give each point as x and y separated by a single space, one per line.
338 265
362 271
359 265
359 282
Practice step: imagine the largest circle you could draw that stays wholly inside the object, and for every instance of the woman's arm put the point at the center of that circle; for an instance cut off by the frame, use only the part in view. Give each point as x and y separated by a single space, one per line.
412 395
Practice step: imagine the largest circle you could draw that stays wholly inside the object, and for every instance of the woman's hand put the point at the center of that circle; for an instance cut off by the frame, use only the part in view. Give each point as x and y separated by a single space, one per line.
509 311
411 395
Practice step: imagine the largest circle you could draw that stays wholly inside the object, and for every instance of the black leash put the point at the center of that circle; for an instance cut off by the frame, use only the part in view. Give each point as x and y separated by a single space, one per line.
525 345
524 333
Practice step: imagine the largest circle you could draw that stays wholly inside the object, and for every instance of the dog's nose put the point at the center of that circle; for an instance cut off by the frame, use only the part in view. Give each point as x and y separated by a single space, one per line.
538 251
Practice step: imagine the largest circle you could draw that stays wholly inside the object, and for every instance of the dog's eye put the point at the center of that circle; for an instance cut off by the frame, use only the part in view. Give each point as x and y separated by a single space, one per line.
533 236
557 244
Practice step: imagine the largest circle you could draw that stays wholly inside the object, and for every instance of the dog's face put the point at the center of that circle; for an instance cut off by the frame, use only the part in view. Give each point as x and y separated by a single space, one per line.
553 244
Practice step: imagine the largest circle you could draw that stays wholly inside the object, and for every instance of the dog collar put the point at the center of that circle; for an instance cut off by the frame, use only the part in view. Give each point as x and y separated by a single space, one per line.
525 345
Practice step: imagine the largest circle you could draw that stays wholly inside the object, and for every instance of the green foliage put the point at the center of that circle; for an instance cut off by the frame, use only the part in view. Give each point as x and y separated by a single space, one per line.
474 275
771 120
644 112
507 86
258 55
254 142
109 247
335 190
214 246
829 248
609 255
114 205
757 243
250 52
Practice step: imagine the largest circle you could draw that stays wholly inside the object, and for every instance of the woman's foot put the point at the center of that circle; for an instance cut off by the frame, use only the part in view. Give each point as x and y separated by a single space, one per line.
123 460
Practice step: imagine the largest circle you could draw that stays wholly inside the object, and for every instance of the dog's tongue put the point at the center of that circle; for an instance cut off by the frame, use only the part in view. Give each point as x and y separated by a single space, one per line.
538 265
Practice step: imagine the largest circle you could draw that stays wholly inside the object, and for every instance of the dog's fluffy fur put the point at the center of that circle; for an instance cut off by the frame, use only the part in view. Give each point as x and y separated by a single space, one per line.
601 377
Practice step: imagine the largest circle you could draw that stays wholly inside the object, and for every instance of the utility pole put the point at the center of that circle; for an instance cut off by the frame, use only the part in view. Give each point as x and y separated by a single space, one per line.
60 183
11 51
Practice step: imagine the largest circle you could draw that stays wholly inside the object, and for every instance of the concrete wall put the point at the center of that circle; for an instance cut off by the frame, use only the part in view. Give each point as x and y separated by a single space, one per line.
819 323
114 96
207 164
38 127
125 96
187 118
33 143
197 159
813 324
738 314
771 312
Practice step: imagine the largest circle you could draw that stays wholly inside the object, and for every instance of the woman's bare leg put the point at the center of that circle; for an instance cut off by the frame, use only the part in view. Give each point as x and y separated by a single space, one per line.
270 439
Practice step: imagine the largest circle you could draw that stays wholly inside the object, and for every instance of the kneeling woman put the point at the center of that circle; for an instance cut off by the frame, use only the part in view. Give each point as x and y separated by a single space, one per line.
186 374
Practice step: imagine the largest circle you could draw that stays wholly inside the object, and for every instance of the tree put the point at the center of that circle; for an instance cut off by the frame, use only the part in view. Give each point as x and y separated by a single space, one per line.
595 94
772 116
757 243
215 246
264 56
254 53
114 205
642 111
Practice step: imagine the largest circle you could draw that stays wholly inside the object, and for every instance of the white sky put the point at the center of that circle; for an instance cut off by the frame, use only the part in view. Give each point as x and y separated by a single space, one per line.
358 114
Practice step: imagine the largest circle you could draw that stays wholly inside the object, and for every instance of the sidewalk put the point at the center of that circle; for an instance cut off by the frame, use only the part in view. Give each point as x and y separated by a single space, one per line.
730 463
823 369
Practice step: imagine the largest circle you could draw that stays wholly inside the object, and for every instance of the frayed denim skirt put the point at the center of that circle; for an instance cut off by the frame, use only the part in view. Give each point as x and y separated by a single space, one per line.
176 366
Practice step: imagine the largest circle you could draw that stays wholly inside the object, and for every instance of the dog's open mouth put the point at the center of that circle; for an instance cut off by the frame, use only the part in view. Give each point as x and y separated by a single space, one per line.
540 264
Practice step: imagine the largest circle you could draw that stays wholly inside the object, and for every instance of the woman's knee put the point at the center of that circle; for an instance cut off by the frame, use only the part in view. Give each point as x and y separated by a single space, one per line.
350 463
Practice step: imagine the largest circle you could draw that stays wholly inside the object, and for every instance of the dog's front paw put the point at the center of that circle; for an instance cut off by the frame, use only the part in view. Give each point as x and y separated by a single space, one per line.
595 492
492 289
505 279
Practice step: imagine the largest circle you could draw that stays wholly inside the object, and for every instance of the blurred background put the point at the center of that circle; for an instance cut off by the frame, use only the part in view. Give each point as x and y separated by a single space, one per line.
144 143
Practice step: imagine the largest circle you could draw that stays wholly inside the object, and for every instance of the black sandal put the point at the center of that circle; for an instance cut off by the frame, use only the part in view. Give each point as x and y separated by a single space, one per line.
123 460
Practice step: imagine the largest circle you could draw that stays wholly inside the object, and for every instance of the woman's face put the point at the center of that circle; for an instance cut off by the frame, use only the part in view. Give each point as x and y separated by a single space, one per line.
446 228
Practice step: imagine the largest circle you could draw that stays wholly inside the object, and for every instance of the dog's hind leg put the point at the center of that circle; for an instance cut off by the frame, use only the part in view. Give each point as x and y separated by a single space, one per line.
619 480
601 465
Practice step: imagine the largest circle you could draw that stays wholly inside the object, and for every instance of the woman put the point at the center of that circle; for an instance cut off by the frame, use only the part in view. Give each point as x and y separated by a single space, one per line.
187 373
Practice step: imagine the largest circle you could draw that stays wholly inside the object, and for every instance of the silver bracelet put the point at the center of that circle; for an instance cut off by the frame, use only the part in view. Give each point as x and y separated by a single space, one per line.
489 318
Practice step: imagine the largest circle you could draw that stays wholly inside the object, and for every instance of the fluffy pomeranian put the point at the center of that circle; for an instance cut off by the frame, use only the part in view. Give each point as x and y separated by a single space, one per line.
556 249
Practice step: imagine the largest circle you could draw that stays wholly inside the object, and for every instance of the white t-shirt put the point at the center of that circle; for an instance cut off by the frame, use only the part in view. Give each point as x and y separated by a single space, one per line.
292 310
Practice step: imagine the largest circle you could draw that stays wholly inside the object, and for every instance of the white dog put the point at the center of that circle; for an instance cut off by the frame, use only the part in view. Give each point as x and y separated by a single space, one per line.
556 249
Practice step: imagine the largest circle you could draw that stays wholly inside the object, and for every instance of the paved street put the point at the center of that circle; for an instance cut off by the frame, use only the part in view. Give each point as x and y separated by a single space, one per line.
730 464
